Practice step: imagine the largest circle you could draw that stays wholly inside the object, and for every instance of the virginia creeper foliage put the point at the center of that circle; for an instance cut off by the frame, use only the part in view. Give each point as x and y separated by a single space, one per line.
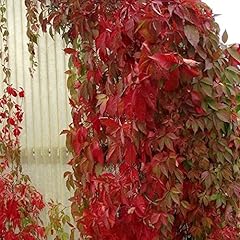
155 131
20 202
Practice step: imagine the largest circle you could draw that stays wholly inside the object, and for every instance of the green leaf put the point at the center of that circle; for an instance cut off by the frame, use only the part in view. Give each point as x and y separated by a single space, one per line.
70 82
231 76
213 105
175 197
194 126
168 143
207 89
164 170
200 124
225 36
64 236
186 204
25 222
223 115
233 69
65 219
235 168
207 81
192 34
214 197
98 169
234 54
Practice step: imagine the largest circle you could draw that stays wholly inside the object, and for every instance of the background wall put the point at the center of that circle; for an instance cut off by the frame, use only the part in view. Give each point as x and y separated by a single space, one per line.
46 103
229 17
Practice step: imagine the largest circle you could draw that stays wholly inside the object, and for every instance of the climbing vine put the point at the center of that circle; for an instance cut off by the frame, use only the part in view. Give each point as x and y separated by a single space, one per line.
155 132
20 202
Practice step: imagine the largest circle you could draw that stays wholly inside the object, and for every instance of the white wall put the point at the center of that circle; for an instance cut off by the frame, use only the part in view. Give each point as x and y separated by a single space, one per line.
229 18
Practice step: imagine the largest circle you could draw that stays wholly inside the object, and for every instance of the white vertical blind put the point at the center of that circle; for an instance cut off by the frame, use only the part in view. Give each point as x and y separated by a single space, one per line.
44 155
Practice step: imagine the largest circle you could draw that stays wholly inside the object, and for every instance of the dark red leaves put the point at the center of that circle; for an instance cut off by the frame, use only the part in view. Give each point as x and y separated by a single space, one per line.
11 121
78 139
140 205
196 98
167 61
172 83
16 132
189 71
139 106
151 77
94 75
131 154
19 201
11 91
76 61
75 58
21 93
70 51
97 152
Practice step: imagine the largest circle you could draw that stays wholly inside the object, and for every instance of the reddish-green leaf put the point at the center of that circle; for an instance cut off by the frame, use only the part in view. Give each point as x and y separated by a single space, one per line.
192 34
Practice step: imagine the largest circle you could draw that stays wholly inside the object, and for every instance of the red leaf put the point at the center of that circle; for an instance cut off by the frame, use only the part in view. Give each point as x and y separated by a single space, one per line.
97 152
76 61
139 106
11 121
166 61
155 218
78 139
190 71
196 98
140 204
200 111
70 51
131 154
16 132
96 124
40 231
21 93
11 91
172 83
111 124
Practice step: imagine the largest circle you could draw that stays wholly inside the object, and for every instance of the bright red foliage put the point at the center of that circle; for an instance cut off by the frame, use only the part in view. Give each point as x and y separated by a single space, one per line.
155 132
20 203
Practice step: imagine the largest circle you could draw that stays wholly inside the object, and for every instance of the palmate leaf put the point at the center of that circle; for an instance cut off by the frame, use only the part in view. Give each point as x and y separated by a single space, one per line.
223 115
234 53
192 34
